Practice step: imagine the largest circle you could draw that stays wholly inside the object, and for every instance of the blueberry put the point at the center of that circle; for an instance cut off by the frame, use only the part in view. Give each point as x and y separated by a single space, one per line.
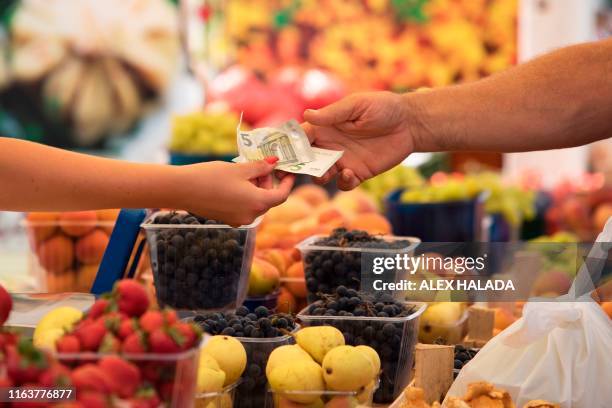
458 364
228 331
262 311
242 311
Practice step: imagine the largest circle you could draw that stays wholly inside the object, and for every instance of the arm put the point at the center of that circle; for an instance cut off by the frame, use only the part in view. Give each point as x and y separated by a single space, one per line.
34 177
559 100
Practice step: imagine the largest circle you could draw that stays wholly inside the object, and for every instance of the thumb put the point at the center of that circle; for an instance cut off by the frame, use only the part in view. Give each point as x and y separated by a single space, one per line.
333 114
258 168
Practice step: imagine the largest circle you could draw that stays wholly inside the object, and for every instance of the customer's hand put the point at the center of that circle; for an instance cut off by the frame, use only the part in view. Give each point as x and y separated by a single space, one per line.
233 193
373 130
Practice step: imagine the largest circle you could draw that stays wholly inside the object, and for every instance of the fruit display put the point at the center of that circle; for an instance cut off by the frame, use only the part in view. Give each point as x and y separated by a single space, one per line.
388 326
463 355
204 133
321 370
119 353
198 263
260 332
398 177
78 85
514 203
336 260
419 43
68 247
443 322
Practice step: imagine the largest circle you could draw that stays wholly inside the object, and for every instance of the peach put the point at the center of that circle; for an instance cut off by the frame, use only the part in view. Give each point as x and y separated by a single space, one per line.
276 257
295 208
85 277
56 254
312 194
108 218
41 225
601 215
371 222
264 277
286 302
296 282
327 213
274 228
62 282
264 240
551 284
90 248
354 202
77 223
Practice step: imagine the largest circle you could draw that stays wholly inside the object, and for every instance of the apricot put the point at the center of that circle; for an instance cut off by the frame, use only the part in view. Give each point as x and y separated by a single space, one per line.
294 209
295 281
56 254
263 240
276 257
108 219
77 223
371 222
61 282
286 302
41 225
606 306
90 248
312 194
85 277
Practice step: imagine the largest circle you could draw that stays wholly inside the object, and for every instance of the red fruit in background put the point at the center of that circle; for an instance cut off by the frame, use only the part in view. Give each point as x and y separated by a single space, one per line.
93 399
134 343
112 321
57 375
126 328
6 304
151 320
68 343
321 88
166 390
29 403
7 338
240 88
98 308
145 398
162 342
90 335
132 297
109 344
90 377
170 316
288 79
124 376
24 362
188 332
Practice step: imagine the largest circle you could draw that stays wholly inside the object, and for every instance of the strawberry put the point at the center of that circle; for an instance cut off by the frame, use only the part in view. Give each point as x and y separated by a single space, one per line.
132 297
166 390
91 335
189 333
7 338
90 377
124 376
99 307
162 342
5 382
93 399
25 403
109 344
6 304
112 321
57 375
170 316
145 398
24 362
68 343
135 343
151 320
127 327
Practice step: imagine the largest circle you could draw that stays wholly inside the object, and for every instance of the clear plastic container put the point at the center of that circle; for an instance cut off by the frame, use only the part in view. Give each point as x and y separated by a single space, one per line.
251 393
173 376
450 334
200 267
222 399
327 267
393 338
362 398
67 248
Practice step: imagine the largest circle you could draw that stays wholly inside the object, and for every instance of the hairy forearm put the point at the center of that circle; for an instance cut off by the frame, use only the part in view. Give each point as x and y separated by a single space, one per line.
34 177
562 99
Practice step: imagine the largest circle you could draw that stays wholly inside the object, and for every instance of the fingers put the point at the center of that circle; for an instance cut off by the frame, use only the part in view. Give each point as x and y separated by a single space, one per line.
256 169
339 112
279 194
347 180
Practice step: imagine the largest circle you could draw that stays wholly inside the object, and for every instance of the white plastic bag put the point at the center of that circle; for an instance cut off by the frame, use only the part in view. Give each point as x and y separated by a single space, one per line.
560 350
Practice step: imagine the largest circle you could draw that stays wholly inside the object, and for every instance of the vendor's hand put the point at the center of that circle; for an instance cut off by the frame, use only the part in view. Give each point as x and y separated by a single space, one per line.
233 193
373 130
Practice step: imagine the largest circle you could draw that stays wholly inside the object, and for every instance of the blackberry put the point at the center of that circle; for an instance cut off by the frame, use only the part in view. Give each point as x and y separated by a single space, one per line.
462 356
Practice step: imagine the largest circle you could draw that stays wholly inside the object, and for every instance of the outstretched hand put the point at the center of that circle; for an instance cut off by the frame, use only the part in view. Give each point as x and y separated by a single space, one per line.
373 130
